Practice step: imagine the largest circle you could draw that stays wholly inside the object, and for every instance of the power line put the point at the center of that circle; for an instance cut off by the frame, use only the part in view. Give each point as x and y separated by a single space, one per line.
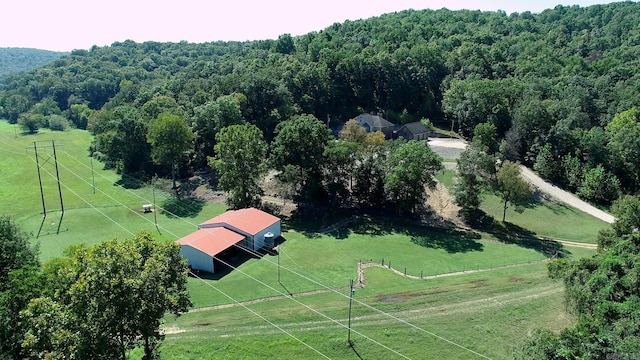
260 316
257 280
228 296
254 253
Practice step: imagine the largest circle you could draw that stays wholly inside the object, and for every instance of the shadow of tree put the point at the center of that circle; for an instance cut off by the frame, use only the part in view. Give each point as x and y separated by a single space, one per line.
450 240
440 236
129 182
509 233
186 207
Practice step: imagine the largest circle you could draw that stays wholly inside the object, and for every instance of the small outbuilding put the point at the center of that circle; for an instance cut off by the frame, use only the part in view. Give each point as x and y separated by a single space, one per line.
257 226
413 131
250 228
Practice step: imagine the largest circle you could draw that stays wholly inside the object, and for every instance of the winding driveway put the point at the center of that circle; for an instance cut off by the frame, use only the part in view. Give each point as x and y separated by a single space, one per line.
450 149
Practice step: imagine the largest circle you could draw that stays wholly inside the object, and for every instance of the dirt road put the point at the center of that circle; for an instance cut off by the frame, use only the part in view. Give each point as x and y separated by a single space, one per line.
564 196
444 147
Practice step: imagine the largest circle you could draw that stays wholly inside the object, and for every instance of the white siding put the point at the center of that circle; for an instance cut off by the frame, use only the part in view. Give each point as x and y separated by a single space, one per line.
196 258
258 239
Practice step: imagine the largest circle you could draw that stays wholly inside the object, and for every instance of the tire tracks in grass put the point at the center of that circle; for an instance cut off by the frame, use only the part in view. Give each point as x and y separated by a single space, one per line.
407 315
421 314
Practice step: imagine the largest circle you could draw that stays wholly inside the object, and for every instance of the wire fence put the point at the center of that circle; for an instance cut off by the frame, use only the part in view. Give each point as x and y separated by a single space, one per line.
450 270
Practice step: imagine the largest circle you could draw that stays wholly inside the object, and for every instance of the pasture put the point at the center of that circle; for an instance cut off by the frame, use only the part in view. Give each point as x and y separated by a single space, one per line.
247 313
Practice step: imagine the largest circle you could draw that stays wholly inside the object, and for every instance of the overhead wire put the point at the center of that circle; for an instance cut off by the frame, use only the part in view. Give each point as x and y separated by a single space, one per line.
254 253
242 272
193 274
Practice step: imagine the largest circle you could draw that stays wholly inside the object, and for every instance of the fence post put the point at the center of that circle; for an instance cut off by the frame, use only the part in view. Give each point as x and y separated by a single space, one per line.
405 271
382 261
389 264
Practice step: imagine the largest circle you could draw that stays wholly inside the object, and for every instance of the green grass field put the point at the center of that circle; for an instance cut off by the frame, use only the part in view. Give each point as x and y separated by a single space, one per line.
392 317
395 317
544 219
112 211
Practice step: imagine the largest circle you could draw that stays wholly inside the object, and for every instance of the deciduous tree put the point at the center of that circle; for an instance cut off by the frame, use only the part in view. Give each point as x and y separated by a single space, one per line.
170 139
240 153
511 187
19 282
353 132
108 299
411 168
299 143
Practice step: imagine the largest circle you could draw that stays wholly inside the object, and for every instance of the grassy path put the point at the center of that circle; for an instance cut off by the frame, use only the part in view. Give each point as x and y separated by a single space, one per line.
361 282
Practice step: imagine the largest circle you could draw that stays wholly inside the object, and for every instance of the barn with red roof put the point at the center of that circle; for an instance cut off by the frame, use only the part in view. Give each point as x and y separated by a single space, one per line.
249 228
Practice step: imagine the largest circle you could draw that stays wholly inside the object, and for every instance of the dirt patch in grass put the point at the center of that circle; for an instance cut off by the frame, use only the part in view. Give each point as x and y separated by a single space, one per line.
478 284
173 330
393 298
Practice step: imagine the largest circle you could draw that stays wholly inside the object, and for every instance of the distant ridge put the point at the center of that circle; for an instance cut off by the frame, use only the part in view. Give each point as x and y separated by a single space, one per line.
17 60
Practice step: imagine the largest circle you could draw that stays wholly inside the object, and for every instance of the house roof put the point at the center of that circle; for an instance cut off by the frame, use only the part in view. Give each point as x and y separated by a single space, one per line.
211 241
250 220
374 121
416 128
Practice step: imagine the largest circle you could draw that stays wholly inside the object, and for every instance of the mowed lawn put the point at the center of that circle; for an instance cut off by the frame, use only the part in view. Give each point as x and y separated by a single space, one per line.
112 211
392 318
318 262
482 312
544 218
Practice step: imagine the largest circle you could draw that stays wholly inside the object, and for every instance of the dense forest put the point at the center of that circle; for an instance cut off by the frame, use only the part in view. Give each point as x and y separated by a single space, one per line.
557 91
18 60
560 87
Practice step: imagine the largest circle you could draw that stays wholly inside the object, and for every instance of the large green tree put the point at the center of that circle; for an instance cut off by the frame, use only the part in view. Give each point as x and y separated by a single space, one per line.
476 171
297 152
602 293
209 118
19 282
107 299
339 161
411 167
240 153
170 140
121 135
624 147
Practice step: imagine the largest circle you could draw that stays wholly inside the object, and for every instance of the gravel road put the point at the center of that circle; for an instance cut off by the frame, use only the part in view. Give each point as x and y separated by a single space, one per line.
564 196
451 149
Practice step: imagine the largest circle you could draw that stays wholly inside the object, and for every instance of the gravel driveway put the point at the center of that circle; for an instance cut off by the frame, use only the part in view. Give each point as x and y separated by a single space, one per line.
451 148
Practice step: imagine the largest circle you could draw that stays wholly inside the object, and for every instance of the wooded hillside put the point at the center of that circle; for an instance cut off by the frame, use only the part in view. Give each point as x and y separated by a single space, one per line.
18 60
551 83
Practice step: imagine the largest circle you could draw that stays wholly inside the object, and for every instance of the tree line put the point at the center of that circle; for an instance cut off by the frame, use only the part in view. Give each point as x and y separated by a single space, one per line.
18 60
551 83
601 293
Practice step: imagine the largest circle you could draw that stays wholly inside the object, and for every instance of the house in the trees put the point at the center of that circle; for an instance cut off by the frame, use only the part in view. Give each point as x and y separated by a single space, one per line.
413 131
251 229
373 123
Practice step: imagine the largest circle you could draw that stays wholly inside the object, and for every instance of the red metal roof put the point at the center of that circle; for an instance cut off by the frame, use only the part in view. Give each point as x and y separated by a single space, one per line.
211 241
250 220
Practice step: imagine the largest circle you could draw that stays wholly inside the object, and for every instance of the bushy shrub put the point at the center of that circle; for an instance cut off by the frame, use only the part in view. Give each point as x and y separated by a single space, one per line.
58 123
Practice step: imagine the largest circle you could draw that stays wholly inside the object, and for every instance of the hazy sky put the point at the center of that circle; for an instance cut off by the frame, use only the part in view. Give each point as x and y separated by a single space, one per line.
64 25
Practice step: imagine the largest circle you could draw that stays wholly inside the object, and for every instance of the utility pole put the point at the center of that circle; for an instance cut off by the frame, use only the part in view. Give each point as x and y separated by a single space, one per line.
35 149
93 178
55 160
38 166
349 322
277 249
153 190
